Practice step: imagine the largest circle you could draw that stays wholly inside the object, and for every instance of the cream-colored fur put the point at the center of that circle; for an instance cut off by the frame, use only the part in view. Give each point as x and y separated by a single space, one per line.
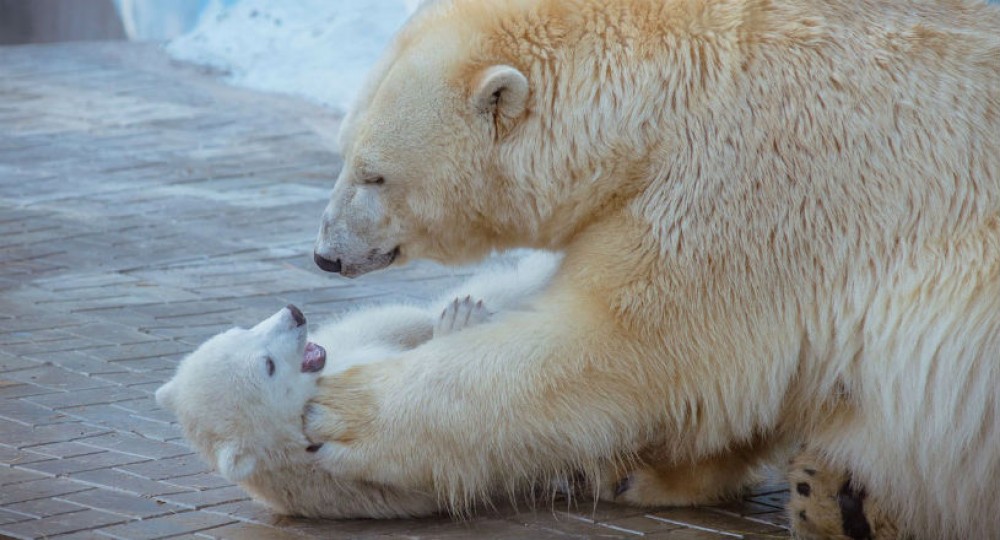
826 503
782 222
241 396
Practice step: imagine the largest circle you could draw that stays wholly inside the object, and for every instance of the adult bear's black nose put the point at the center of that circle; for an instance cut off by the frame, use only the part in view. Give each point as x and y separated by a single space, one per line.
326 264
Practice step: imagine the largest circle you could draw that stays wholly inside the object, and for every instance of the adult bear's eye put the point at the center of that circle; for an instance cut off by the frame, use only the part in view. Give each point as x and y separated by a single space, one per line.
374 180
270 367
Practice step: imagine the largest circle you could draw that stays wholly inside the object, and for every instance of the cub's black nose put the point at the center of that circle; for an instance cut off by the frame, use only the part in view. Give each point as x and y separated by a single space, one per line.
300 319
327 264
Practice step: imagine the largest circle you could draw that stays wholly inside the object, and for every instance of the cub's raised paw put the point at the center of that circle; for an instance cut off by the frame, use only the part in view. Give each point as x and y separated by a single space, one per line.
462 313
825 503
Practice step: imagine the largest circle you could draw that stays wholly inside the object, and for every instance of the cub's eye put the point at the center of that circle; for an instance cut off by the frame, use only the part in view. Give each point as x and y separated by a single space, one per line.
270 367
374 181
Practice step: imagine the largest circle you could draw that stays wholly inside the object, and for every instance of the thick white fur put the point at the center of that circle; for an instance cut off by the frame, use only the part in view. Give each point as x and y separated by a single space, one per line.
781 219
249 424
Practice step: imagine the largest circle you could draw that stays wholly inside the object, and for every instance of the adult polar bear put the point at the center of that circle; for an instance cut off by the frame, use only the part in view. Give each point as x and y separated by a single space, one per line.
781 220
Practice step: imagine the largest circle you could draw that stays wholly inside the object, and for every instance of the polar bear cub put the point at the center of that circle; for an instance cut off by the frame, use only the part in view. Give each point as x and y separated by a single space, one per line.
241 395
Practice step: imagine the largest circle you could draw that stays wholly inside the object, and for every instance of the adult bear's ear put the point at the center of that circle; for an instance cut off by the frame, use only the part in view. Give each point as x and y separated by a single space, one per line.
166 396
234 463
501 91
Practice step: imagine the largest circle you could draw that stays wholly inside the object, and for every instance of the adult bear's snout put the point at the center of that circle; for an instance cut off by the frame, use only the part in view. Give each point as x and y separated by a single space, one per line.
326 264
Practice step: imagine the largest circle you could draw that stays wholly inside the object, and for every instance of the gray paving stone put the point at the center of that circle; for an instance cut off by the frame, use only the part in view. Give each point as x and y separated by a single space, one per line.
8 516
639 525
202 481
81 362
171 525
10 363
712 520
15 389
11 475
56 378
123 420
129 443
169 468
94 396
250 531
209 497
89 462
29 414
63 523
13 456
27 437
246 511
568 524
123 503
123 481
64 449
40 489
40 508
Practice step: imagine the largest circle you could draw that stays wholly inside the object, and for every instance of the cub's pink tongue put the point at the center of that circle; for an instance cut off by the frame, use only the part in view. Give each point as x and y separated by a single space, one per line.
314 358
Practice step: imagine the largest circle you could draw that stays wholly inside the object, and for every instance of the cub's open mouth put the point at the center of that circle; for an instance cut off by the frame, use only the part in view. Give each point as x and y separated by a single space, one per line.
313 359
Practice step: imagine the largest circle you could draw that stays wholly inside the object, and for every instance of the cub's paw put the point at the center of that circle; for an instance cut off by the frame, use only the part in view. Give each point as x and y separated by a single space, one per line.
459 315
825 503
647 486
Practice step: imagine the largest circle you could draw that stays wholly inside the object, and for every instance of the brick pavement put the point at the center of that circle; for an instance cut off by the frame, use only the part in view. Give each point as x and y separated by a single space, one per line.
144 207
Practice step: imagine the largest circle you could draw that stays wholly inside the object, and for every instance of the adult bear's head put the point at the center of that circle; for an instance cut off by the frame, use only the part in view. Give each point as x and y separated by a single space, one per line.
491 125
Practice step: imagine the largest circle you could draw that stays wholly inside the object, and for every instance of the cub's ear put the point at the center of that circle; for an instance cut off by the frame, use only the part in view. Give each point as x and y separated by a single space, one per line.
166 396
500 91
234 463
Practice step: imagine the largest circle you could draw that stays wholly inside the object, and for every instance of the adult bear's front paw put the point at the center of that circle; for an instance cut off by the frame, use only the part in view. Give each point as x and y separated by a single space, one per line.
340 418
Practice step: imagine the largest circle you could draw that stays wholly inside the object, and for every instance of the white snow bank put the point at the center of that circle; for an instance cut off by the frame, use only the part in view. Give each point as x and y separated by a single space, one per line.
317 49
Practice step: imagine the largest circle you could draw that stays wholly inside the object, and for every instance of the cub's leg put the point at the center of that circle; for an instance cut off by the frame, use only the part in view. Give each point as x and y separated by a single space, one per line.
709 480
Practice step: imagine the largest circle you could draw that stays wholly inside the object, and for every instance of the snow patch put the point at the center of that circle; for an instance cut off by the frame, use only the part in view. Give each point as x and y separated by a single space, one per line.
316 49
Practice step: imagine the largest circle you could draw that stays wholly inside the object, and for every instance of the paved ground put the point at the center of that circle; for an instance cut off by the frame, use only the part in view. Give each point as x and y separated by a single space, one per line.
143 208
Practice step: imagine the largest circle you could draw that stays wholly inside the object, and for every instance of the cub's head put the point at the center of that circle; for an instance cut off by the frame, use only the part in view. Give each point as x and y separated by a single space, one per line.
240 396
450 150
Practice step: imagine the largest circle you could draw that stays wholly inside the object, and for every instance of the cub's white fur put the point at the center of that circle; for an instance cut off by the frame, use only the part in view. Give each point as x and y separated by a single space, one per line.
248 423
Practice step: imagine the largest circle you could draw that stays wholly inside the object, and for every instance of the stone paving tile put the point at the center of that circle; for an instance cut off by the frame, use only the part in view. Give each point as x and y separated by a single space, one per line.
40 489
144 207
250 531
89 462
123 420
135 445
168 468
99 396
122 503
200 482
10 476
56 378
63 523
64 449
123 481
52 506
208 497
14 389
247 511
13 456
713 520
81 362
8 516
29 414
27 437
639 525
171 525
